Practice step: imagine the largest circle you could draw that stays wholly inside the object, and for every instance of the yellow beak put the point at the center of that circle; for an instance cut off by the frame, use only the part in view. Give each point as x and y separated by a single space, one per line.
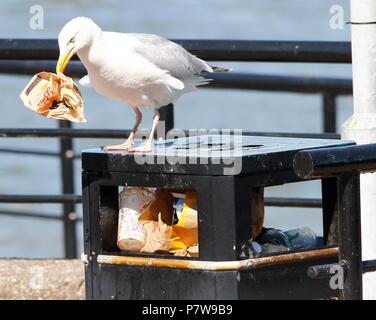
63 61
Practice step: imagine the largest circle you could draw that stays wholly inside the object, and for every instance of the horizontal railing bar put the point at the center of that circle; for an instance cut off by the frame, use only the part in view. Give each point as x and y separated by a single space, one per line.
325 162
75 69
29 152
63 133
115 134
64 198
272 201
295 135
14 213
369 265
247 81
271 51
230 80
293 202
225 50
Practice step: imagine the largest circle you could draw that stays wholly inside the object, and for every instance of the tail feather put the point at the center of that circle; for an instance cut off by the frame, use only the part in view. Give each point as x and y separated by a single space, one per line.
204 77
220 69
197 81
201 81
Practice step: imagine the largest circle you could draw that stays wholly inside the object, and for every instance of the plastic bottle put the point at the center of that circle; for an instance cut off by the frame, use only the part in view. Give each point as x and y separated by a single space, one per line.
294 239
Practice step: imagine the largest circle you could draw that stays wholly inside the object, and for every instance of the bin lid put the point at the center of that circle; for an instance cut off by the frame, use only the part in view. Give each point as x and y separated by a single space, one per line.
208 155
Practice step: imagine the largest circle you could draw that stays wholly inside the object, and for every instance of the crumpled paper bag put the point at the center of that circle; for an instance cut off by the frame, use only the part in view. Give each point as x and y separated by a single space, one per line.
158 236
54 96
162 204
157 220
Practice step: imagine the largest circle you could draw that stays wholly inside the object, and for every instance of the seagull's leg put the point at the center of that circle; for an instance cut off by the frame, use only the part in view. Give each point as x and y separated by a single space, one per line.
147 147
127 145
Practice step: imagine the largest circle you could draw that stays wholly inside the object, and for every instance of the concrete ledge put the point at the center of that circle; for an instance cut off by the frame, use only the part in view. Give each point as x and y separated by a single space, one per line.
41 279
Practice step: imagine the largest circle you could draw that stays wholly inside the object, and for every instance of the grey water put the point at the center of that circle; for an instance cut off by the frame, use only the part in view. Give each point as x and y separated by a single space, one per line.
205 108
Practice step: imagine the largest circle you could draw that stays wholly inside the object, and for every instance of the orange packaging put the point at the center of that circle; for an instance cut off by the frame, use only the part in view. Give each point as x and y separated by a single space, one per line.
185 233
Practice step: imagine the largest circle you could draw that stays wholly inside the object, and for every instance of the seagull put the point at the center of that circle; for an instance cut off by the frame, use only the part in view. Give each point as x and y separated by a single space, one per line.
140 70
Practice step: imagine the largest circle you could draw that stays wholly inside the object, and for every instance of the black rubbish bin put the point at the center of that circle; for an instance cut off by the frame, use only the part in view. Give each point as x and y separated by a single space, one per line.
223 170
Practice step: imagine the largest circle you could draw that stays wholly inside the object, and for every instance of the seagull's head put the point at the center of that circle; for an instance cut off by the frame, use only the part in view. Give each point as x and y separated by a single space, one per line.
76 35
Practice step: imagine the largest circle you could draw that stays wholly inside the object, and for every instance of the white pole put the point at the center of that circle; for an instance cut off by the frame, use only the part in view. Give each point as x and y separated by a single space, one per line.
361 127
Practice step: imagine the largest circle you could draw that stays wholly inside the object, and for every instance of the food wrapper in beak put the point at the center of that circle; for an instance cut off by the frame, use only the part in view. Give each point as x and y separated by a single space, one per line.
54 96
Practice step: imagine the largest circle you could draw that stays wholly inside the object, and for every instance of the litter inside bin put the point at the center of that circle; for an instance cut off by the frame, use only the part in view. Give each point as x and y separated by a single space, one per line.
275 240
156 219
131 234
161 221
184 233
157 236
146 222
257 211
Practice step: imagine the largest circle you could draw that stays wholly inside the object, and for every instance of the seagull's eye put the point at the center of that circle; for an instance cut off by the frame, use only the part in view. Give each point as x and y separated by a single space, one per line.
72 40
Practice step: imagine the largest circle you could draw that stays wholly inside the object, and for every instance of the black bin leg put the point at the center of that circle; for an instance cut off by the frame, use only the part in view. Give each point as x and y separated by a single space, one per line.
224 210
330 210
350 253
92 236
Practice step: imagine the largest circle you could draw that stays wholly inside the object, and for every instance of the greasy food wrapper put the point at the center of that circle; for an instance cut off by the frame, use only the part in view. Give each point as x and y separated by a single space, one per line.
157 219
161 205
54 96
157 236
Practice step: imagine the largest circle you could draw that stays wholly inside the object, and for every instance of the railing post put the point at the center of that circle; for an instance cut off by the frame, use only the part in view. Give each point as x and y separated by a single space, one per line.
167 115
360 127
67 178
329 112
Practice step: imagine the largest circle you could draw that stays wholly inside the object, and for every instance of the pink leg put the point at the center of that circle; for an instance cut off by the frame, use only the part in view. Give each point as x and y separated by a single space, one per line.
127 145
147 147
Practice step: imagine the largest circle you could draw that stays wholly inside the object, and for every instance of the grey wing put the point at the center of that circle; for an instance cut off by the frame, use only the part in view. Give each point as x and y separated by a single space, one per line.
170 56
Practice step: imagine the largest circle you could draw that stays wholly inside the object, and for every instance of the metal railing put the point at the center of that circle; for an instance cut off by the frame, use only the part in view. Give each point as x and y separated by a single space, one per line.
29 56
